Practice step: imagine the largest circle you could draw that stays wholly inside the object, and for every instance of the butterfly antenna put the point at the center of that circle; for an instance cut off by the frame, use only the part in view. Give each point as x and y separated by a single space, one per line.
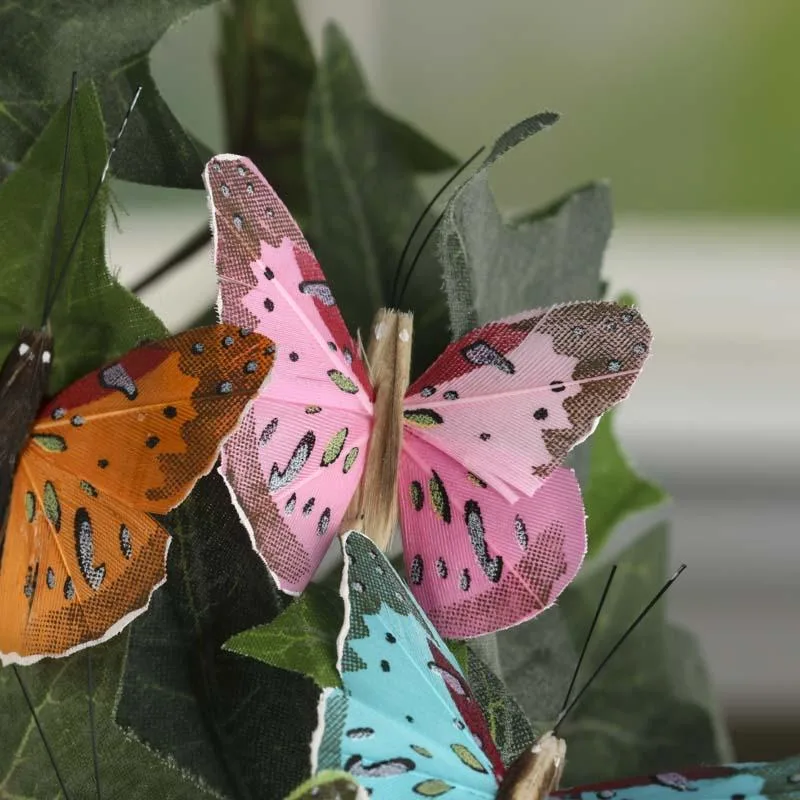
419 222
92 199
92 728
417 256
617 646
58 232
38 724
588 638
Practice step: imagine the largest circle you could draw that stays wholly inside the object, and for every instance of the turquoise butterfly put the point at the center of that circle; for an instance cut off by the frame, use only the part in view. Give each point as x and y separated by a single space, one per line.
405 724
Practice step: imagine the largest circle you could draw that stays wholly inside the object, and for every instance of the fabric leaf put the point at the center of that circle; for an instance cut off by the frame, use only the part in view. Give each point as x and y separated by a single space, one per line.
613 490
267 69
212 712
58 691
302 639
364 205
493 267
94 318
42 41
510 729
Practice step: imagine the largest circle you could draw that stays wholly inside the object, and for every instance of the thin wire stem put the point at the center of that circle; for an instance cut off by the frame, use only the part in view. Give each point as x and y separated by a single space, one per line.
419 222
39 728
62 191
617 646
92 199
184 251
90 697
588 637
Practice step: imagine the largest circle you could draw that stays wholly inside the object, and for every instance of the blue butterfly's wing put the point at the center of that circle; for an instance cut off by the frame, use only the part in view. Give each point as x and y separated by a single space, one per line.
745 781
396 724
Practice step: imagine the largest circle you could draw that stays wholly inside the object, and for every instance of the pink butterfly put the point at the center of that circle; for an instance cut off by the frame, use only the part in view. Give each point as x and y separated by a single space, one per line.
493 528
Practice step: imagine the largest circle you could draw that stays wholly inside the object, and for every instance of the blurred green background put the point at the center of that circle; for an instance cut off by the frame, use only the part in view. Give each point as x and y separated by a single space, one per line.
686 106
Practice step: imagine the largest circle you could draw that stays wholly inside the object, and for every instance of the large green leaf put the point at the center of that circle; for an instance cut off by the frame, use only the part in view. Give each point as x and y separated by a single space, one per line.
267 69
58 691
242 726
302 639
94 317
364 205
641 715
613 490
493 267
43 40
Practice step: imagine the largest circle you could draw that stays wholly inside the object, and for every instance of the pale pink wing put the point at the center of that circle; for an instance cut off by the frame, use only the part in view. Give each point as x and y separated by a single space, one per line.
475 562
511 398
297 458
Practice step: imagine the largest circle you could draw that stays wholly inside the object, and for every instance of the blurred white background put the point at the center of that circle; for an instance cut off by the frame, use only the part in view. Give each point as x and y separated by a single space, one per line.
686 108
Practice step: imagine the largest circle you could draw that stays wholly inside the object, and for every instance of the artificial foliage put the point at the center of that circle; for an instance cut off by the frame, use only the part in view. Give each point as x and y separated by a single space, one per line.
213 691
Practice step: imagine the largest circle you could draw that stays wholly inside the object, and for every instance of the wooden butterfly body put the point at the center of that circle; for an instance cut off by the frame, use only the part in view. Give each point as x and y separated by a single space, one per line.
23 383
493 527
80 553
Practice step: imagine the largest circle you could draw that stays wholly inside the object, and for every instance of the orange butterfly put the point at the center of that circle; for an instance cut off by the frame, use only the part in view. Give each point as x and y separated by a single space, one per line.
80 554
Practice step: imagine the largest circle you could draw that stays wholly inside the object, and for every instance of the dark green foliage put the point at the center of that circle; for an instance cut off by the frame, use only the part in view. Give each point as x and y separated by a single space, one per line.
42 41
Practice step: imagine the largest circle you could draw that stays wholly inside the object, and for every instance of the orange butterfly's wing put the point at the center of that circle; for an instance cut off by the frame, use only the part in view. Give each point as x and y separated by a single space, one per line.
77 566
81 556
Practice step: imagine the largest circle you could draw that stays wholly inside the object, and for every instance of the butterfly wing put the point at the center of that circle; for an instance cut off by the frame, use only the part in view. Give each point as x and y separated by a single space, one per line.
303 443
395 724
477 563
744 781
81 556
511 398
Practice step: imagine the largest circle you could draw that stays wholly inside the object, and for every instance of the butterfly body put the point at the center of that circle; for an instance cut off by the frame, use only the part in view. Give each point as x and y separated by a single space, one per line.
493 527
374 505
23 383
537 772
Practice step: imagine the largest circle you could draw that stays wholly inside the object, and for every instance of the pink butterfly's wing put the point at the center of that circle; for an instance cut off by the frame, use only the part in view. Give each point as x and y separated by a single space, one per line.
511 398
507 402
475 562
297 458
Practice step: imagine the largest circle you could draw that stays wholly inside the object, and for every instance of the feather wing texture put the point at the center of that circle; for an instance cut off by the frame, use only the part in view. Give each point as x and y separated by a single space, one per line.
395 725
511 398
316 416
80 553
475 562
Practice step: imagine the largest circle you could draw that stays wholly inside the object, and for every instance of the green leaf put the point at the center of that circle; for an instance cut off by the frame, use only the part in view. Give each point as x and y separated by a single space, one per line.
301 639
94 318
329 784
613 490
493 268
421 154
267 69
42 41
640 716
58 691
508 724
364 204
213 712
